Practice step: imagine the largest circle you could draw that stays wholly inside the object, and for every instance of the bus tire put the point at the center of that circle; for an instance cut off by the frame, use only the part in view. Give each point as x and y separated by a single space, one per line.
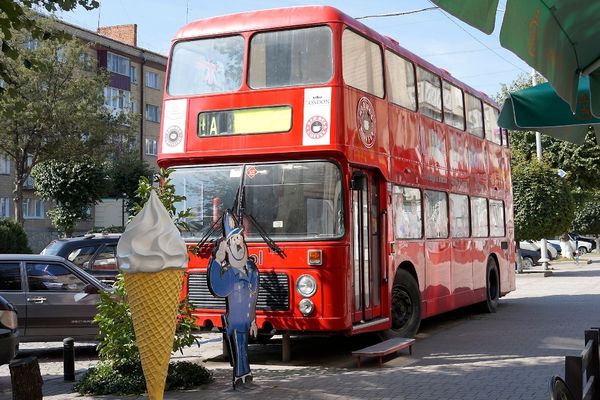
492 287
406 306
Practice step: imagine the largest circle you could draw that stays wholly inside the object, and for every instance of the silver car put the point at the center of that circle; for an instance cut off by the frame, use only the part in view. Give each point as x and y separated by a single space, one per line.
54 298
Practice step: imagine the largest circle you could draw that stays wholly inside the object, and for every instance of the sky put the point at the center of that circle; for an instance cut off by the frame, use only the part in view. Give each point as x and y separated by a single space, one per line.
468 54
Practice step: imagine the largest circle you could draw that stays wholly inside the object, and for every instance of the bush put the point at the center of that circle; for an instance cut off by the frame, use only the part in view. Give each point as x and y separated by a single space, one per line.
13 239
126 377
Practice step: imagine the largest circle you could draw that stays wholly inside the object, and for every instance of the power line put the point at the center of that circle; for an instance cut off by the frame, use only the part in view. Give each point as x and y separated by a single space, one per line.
396 14
482 43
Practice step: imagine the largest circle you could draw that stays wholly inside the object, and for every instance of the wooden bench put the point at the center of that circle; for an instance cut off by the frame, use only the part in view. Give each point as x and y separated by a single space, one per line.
384 348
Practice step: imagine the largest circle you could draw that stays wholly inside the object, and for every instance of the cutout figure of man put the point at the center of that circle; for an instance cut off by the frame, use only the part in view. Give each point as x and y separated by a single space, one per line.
231 274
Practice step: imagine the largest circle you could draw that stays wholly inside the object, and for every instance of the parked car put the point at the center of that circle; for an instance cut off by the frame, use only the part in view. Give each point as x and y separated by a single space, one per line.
9 335
530 257
589 240
95 253
54 298
537 245
581 246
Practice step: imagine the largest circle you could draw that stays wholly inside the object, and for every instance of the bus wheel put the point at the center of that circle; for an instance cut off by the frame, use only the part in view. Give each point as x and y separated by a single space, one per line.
406 306
492 288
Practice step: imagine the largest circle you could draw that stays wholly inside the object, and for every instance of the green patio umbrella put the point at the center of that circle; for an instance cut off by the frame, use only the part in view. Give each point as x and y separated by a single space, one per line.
559 38
539 108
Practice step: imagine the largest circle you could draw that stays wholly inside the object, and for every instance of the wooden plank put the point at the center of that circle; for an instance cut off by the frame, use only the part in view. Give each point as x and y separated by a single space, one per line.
384 348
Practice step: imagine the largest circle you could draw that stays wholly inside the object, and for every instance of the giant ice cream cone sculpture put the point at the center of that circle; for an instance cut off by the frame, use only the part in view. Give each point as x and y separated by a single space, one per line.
152 256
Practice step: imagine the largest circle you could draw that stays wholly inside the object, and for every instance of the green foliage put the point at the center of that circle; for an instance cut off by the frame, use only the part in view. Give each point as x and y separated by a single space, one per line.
166 193
13 239
126 377
18 15
543 203
124 174
117 336
119 370
587 213
73 185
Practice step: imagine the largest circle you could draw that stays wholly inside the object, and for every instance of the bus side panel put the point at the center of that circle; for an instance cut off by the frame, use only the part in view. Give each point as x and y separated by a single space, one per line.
405 147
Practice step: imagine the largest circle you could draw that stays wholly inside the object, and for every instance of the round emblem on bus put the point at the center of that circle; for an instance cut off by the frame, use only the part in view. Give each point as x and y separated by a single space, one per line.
366 122
174 136
316 127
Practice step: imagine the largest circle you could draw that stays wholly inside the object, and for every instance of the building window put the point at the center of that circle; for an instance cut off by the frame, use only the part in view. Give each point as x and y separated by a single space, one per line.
133 74
117 99
4 164
133 106
33 209
4 207
152 113
86 61
152 80
117 64
151 147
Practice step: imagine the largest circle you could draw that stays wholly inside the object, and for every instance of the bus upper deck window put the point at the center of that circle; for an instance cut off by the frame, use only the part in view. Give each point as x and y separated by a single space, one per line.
206 66
291 58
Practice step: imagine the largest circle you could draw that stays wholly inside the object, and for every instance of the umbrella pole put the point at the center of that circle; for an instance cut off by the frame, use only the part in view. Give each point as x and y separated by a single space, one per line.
538 149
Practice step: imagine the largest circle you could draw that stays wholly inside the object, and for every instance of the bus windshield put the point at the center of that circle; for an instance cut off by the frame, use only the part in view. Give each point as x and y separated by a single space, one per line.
290 201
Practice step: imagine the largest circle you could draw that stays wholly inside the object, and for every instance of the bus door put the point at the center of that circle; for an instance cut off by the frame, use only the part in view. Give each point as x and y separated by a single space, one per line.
366 259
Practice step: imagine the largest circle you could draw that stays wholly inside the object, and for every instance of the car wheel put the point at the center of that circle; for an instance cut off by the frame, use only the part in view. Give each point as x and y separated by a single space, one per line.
582 250
527 262
492 287
406 306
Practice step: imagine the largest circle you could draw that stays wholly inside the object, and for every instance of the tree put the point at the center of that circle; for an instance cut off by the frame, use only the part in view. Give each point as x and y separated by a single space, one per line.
74 186
543 203
13 239
18 15
124 175
587 213
57 110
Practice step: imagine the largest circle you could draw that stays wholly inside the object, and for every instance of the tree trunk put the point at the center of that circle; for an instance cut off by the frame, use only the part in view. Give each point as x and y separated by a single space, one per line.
18 200
26 379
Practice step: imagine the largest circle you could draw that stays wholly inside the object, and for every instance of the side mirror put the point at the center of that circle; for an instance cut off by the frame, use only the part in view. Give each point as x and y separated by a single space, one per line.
90 289
358 181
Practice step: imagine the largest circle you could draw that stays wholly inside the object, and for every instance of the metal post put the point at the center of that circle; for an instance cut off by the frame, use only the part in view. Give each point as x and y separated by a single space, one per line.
538 149
286 347
69 359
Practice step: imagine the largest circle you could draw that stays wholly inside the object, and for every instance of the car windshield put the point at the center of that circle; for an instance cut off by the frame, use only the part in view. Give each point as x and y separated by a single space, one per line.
290 201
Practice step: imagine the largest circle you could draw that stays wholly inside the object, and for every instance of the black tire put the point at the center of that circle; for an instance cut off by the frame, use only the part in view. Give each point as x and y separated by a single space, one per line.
492 287
582 250
527 262
406 306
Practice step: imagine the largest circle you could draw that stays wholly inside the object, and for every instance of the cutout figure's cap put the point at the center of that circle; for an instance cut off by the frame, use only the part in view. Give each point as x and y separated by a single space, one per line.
230 226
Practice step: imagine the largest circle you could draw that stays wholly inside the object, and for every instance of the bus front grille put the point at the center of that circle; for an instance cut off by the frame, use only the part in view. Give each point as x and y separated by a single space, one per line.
273 292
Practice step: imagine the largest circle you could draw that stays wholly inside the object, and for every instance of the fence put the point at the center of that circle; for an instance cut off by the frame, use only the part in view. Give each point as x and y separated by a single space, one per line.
582 372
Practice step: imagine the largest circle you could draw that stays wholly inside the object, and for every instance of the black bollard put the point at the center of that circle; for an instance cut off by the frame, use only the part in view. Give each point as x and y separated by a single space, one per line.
69 359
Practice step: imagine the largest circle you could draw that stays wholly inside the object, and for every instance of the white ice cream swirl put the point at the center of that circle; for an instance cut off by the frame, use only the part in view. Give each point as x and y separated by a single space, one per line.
151 241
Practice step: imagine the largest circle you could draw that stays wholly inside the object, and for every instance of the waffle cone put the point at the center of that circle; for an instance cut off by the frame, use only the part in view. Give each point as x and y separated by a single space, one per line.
154 299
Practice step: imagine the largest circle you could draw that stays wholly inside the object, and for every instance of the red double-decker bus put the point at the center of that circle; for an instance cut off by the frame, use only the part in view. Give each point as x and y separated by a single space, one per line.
384 180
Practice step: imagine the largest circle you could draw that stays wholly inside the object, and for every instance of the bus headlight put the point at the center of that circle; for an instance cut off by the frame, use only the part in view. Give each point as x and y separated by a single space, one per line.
306 307
306 285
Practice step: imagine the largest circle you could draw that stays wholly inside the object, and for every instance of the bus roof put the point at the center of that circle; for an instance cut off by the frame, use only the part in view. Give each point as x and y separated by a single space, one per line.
307 15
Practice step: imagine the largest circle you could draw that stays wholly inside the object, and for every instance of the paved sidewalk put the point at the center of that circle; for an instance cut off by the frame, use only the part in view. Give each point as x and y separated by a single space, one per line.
462 355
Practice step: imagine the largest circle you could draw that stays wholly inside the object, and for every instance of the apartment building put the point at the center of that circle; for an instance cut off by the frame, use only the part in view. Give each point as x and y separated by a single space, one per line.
136 83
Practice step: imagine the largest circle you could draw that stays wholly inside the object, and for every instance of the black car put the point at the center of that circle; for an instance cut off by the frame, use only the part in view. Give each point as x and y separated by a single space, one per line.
54 298
530 257
9 335
95 253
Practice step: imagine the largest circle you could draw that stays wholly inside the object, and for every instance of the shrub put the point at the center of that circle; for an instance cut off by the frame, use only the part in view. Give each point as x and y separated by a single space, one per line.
126 377
13 239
